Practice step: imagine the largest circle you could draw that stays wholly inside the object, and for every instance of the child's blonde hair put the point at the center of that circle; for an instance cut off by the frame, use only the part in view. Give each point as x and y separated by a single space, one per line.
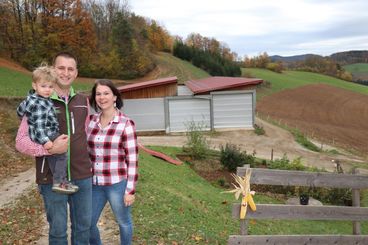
45 72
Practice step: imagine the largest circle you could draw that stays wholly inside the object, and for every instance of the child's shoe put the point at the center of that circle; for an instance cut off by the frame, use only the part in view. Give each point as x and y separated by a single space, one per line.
74 187
63 188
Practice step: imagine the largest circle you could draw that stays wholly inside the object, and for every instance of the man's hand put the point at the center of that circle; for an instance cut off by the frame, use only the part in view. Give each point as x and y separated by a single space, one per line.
60 145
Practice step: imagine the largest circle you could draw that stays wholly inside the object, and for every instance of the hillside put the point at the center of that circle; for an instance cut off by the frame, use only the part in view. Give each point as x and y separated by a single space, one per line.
16 80
169 65
293 79
350 57
343 58
325 107
359 71
292 58
333 115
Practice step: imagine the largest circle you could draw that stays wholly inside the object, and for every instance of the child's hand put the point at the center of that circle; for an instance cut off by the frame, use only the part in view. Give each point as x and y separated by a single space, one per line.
48 145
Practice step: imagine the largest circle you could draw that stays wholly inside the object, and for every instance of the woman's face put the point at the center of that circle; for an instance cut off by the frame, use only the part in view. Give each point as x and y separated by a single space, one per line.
105 99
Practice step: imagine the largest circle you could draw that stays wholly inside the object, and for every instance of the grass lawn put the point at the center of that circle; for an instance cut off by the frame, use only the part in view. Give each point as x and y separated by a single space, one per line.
175 204
357 68
173 66
13 83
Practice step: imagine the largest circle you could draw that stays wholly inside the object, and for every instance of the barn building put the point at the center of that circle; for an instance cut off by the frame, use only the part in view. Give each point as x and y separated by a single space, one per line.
213 103
150 89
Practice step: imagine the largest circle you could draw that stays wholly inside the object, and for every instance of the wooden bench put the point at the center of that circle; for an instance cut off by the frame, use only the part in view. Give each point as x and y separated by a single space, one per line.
353 213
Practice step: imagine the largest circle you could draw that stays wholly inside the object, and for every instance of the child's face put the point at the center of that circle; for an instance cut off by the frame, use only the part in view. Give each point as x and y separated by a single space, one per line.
43 88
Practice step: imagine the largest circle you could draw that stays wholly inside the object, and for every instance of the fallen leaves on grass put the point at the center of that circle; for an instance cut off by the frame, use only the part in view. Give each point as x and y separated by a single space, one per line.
21 222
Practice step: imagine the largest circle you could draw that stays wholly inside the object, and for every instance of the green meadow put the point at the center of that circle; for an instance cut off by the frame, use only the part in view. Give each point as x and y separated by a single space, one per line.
294 79
13 83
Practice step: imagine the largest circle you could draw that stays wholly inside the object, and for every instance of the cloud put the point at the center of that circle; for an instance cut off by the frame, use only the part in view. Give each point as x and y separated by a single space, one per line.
281 27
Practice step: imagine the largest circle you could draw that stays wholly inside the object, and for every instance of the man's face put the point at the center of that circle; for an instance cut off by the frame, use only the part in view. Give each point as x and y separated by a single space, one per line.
66 70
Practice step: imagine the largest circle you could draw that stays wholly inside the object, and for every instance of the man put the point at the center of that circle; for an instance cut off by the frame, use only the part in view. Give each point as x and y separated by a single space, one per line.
72 113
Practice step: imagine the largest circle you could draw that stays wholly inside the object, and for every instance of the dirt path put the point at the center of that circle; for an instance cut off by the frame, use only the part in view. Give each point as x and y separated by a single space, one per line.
12 188
276 139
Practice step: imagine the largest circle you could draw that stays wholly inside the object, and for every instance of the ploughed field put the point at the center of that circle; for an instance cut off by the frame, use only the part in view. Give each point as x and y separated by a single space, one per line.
331 114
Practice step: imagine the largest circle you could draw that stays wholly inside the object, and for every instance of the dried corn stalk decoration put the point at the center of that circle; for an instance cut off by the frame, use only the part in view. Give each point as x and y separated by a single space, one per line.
243 188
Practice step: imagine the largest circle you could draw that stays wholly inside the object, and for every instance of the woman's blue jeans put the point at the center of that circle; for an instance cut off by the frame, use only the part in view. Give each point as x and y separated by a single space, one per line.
56 206
114 194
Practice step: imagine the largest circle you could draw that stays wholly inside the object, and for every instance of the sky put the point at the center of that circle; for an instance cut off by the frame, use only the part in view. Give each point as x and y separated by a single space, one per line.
278 27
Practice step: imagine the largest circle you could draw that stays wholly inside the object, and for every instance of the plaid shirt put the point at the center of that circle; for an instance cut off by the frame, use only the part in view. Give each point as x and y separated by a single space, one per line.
41 117
113 151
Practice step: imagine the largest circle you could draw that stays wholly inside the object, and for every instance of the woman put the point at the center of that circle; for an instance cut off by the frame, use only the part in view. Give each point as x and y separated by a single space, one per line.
112 146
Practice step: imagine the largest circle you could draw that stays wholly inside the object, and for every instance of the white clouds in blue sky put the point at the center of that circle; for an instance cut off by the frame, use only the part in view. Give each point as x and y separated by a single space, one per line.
283 27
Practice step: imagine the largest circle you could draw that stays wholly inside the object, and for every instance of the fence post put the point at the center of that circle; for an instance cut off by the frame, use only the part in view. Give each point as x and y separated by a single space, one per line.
272 155
356 203
244 222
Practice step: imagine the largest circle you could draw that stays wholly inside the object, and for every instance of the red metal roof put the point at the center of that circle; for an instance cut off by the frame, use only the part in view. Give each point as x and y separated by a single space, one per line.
147 84
219 83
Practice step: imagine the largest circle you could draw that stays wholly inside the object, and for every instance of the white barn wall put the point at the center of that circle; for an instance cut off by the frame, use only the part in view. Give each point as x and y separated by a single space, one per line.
233 109
183 110
227 109
147 114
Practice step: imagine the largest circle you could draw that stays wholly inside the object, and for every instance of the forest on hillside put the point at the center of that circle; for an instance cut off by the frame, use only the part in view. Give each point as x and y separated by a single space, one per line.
105 36
108 39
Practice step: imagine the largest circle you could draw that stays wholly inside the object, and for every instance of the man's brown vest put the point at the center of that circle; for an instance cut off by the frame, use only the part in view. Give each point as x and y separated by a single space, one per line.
76 112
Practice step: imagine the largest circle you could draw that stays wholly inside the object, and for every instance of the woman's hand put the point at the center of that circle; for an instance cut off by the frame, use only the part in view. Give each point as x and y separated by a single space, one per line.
129 199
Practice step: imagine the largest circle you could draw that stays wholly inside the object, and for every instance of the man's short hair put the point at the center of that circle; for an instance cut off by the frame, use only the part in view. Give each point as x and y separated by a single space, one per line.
65 54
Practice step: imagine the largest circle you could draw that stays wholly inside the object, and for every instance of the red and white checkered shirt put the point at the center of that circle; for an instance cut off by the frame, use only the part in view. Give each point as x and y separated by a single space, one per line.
113 151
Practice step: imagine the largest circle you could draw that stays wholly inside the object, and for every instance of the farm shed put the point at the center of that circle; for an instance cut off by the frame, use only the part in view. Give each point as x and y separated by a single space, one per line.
150 89
213 103
210 84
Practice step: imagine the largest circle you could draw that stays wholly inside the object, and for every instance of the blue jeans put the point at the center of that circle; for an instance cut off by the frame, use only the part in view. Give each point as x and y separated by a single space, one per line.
80 213
114 194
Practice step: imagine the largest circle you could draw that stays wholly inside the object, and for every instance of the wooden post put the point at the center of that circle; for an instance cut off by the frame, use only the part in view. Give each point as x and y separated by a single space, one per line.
243 222
356 203
271 154
243 227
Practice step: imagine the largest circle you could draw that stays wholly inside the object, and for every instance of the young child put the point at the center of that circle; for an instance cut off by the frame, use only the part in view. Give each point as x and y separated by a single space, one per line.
44 126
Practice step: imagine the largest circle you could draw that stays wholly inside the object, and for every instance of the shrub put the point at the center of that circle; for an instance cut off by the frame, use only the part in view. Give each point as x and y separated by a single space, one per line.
197 145
232 157
285 164
259 130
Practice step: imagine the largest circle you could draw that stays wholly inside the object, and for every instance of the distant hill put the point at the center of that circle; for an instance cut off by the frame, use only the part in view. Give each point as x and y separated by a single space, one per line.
293 58
350 57
343 58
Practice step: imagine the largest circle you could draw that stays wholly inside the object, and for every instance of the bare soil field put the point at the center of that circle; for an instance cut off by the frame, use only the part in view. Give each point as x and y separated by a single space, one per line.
331 114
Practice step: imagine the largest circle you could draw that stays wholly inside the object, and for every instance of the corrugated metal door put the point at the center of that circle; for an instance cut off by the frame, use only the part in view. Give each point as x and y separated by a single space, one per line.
148 114
233 109
184 110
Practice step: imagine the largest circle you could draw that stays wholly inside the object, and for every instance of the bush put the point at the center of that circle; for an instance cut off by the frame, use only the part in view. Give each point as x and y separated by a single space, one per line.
197 145
259 130
232 157
285 164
